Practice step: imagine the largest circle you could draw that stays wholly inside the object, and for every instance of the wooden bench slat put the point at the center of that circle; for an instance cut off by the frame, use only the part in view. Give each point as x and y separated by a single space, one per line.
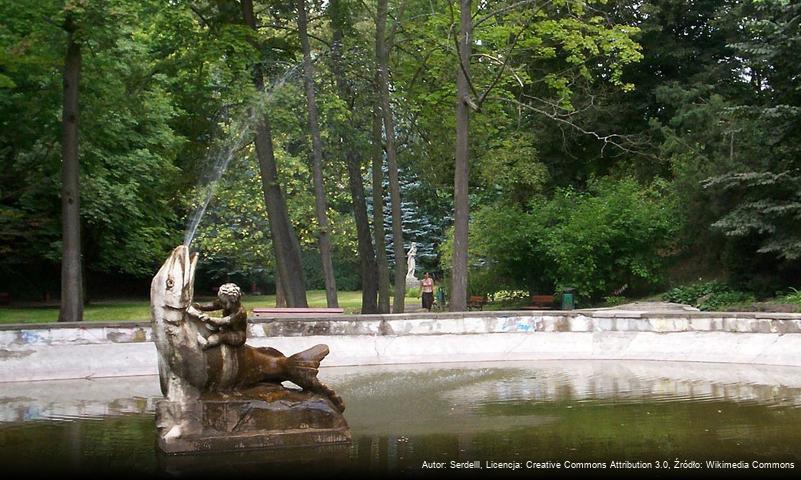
476 301
541 302
297 310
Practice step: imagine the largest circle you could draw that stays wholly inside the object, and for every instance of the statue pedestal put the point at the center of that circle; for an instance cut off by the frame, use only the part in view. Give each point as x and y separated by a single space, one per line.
263 416
412 282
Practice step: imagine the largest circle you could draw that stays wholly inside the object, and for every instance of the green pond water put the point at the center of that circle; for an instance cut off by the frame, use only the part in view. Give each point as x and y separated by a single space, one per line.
506 416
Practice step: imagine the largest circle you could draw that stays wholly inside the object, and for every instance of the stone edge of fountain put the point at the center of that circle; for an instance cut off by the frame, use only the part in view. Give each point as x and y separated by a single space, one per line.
107 349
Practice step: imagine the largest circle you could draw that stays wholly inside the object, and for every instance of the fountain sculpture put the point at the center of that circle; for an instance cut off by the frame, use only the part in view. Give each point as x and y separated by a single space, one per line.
222 394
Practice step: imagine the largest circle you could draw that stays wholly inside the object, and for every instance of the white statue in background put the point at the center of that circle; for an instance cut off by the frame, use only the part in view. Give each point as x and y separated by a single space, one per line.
410 261
411 280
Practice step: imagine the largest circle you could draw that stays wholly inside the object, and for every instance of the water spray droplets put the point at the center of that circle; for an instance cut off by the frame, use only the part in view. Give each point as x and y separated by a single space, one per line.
241 132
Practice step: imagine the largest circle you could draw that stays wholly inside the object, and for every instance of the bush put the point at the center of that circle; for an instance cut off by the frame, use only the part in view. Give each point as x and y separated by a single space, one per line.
688 294
718 301
412 293
707 296
794 297
614 234
511 295
614 300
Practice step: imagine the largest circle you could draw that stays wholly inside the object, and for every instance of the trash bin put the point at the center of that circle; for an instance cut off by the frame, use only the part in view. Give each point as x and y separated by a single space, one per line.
440 296
568 299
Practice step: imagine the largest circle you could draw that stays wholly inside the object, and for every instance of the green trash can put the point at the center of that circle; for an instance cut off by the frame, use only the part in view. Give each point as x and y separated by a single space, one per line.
440 299
568 299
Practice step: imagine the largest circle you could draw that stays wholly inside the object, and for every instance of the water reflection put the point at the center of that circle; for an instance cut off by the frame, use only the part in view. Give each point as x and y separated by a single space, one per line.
401 416
76 399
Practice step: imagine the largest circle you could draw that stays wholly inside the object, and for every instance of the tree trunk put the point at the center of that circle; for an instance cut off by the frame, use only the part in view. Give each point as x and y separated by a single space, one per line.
285 242
378 213
461 200
320 204
367 260
71 277
382 57
280 296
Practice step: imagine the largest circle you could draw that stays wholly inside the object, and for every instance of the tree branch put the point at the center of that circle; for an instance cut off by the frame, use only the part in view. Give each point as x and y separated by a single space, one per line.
609 139
395 24
199 15
508 8
294 29
464 71
505 62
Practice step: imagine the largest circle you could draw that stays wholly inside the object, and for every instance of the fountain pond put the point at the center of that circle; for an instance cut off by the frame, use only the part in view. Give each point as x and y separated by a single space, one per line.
406 418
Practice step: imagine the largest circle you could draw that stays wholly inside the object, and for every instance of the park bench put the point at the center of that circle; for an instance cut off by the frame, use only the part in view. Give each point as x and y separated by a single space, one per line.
274 312
540 302
476 301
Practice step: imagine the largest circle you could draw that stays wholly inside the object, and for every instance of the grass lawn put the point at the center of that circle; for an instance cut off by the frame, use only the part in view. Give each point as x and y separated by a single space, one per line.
110 311
119 310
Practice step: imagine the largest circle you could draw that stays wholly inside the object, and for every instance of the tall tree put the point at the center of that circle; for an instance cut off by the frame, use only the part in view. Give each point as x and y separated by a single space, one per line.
461 199
321 205
367 259
378 209
71 277
382 48
124 178
285 241
756 147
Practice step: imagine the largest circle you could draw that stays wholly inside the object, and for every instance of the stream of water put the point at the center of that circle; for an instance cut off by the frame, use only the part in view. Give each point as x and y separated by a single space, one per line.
241 131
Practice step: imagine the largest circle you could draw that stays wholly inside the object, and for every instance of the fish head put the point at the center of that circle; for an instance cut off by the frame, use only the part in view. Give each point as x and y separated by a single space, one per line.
173 286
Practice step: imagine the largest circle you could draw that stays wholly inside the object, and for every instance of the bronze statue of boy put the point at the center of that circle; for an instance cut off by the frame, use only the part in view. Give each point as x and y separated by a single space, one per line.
231 328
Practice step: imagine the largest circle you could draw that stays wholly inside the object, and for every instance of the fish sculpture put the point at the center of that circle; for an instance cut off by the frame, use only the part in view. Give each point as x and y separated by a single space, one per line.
187 370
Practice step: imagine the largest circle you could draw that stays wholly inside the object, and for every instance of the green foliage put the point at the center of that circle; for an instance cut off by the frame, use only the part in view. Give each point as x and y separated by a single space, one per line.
768 208
794 297
234 237
531 62
580 98
511 295
608 238
712 295
511 168
689 294
614 300
726 299
346 271
730 130
413 293
127 145
612 235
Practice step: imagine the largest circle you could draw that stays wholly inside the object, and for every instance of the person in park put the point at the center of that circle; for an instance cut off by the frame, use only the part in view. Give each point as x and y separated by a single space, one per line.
427 286
231 328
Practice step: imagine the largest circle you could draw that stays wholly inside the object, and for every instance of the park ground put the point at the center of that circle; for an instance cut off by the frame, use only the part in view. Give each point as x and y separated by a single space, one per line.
114 310
139 310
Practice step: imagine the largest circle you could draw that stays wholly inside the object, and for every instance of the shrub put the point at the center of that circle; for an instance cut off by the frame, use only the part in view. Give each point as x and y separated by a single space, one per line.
794 297
615 233
712 295
613 300
689 294
511 295
718 301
